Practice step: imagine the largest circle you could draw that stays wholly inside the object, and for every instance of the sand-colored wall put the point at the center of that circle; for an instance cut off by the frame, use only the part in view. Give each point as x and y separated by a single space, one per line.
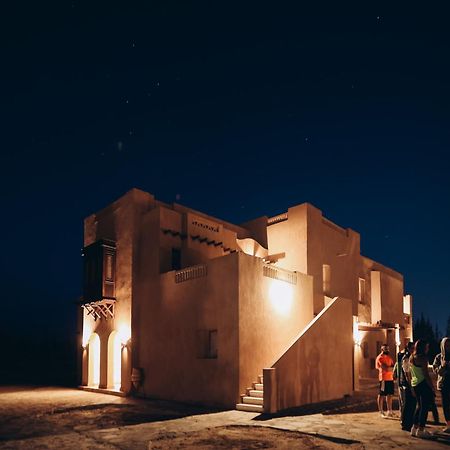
310 241
118 222
391 299
265 328
369 341
386 292
290 237
337 247
169 345
235 298
319 365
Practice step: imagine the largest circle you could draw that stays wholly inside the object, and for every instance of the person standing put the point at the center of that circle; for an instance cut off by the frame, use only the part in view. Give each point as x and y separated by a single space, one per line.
441 366
406 397
385 365
423 388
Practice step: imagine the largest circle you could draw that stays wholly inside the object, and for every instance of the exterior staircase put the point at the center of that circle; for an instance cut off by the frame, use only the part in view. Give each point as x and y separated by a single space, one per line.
253 399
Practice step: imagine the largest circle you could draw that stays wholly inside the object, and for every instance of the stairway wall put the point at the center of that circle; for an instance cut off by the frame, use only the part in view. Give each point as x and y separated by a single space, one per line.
265 330
319 365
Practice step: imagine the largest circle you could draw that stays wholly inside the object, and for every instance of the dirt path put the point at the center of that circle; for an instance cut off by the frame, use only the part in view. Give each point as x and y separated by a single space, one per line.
58 418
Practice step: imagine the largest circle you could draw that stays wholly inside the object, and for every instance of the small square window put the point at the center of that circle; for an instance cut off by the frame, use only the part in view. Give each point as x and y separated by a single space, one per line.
207 344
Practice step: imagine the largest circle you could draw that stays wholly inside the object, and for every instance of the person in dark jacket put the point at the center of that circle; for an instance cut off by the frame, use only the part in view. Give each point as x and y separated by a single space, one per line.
441 367
406 397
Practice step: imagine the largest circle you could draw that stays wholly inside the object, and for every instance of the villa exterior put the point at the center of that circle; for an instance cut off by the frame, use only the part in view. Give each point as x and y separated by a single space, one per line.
270 314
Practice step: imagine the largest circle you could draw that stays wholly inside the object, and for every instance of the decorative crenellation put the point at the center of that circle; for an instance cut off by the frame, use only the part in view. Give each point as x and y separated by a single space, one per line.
280 274
277 219
190 273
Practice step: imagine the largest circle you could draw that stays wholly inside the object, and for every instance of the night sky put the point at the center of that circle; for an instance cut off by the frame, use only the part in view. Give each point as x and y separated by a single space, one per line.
238 111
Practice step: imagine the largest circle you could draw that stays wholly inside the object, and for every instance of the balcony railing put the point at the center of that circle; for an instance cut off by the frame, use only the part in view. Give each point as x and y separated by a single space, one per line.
280 274
190 273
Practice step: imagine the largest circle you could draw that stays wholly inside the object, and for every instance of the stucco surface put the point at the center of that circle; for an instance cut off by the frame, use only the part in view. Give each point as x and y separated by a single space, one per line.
318 366
265 331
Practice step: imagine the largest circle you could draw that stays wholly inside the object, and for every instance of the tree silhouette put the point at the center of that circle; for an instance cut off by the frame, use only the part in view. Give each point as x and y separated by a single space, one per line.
423 329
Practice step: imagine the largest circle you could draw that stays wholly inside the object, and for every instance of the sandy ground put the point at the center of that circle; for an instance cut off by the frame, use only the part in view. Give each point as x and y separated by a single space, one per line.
60 418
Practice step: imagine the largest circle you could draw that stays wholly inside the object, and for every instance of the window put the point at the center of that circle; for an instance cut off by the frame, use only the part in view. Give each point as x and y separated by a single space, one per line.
361 290
109 267
326 272
207 344
176 259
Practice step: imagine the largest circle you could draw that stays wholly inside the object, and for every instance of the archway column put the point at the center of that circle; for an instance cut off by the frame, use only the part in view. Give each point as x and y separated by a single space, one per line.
84 366
126 369
103 362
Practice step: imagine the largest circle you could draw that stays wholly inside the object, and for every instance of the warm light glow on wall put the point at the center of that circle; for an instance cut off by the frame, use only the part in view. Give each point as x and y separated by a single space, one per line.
124 333
397 335
250 247
407 304
357 337
280 294
87 331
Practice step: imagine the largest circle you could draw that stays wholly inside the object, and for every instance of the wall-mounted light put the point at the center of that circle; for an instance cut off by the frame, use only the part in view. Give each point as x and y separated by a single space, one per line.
87 332
125 344
124 334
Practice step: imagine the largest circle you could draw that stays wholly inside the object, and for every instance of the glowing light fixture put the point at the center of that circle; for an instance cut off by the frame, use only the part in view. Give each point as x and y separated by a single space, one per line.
124 333
280 294
87 331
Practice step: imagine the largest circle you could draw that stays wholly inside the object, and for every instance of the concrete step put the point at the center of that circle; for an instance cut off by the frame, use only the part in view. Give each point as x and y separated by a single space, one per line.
249 408
255 393
252 400
258 386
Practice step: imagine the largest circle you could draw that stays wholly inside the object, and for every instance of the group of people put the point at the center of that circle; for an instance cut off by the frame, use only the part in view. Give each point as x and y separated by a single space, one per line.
416 390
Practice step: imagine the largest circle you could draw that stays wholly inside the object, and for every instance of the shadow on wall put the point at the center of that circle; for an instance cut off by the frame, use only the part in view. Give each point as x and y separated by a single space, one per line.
312 382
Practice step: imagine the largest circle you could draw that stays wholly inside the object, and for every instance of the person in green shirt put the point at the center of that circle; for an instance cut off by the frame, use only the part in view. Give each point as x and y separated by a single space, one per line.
422 387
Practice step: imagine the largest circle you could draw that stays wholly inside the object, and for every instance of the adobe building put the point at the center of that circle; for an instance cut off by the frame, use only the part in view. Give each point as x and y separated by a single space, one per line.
261 316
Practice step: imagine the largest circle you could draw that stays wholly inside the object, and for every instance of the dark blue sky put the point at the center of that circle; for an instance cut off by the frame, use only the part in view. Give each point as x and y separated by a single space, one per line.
241 111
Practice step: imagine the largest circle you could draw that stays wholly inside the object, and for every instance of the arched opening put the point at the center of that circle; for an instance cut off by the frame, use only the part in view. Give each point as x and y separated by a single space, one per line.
114 361
94 361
